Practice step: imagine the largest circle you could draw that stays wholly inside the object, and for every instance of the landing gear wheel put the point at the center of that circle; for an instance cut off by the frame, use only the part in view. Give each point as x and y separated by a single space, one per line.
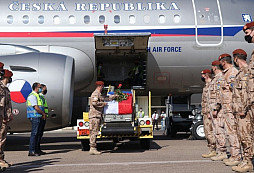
145 143
85 145
198 130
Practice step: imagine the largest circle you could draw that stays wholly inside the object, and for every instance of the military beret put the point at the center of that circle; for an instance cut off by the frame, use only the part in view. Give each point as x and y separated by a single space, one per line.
223 56
7 73
206 71
1 65
215 63
99 83
239 51
248 26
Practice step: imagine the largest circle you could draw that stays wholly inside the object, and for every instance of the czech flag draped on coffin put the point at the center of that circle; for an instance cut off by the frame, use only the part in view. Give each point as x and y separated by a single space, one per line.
123 107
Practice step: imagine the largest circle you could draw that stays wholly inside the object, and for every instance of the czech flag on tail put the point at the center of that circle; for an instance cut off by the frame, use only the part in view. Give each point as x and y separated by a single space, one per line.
123 107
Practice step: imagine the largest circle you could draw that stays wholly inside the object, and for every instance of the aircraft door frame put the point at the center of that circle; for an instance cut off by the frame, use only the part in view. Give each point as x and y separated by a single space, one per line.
198 25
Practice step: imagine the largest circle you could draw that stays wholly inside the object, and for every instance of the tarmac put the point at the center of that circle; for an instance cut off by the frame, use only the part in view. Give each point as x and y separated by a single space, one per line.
63 154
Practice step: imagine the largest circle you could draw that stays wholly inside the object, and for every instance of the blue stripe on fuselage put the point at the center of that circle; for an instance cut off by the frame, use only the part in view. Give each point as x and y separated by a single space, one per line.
212 31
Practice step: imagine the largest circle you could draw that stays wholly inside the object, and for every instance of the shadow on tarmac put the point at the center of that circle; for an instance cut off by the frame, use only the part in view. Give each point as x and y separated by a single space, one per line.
32 166
61 144
126 147
21 143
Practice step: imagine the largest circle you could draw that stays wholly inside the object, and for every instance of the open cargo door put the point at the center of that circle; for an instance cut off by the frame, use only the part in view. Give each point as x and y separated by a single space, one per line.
124 57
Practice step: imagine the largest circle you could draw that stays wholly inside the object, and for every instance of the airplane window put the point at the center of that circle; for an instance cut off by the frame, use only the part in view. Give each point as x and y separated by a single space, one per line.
146 18
101 19
56 19
117 19
25 19
162 19
72 19
87 19
41 19
177 18
10 19
132 19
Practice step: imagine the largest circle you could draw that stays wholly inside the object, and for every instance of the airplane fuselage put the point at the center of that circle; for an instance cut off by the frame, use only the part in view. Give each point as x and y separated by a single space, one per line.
186 36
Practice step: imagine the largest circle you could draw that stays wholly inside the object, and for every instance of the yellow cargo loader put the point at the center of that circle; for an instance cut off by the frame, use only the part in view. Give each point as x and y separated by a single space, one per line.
119 127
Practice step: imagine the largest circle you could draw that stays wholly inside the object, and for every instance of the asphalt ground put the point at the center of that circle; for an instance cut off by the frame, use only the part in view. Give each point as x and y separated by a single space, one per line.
167 155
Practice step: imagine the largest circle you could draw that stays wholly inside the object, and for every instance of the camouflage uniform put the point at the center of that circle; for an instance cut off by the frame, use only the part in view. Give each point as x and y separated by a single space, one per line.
207 122
244 128
6 114
95 115
229 119
250 89
214 98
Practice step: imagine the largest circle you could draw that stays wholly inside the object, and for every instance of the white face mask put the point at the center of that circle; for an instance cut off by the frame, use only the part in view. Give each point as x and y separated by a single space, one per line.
140 110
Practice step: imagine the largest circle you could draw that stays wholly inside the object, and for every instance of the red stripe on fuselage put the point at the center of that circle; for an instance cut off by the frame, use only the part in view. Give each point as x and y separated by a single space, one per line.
67 34
44 34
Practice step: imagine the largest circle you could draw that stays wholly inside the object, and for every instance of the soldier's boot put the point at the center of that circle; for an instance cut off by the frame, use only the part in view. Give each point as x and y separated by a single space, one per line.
210 154
93 151
244 166
220 156
226 160
3 164
233 162
9 163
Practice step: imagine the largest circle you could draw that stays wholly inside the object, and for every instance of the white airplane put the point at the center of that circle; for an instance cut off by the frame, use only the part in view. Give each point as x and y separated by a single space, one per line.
59 43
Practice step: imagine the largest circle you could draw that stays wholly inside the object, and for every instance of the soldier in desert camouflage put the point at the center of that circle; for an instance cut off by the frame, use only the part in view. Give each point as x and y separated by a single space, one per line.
241 111
229 121
95 115
206 76
215 110
5 112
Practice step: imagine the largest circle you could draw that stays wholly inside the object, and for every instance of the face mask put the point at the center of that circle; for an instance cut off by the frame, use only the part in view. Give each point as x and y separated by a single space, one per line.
203 79
100 67
221 67
236 64
248 38
9 80
212 71
45 92
39 91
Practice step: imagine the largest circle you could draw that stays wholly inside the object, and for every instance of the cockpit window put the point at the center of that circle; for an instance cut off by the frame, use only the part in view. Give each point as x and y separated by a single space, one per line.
102 19
72 19
86 19
162 19
41 19
10 19
132 19
117 19
25 19
56 19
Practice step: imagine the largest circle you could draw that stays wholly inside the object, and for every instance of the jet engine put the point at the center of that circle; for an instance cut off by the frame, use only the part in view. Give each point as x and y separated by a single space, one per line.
54 70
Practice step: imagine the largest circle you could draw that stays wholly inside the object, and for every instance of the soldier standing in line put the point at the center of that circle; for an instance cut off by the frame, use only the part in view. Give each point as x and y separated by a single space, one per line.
215 111
227 86
95 115
248 29
243 117
206 77
5 112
